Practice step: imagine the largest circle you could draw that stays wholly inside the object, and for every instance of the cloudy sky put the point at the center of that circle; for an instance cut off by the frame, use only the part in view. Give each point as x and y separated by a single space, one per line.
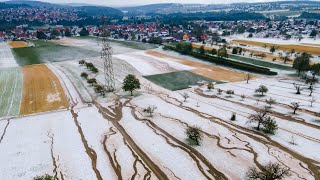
140 2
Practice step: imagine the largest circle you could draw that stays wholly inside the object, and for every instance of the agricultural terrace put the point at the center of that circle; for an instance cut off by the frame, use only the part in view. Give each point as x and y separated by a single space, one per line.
42 90
45 51
285 47
18 44
10 92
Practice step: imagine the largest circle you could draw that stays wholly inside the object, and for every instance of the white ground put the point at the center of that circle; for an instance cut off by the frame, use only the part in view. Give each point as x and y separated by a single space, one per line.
6 57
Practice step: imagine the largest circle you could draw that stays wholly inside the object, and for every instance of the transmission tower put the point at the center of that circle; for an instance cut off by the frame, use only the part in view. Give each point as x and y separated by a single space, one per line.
106 55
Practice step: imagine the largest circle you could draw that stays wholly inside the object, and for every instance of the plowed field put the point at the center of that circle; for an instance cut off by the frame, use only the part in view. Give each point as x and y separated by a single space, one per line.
42 90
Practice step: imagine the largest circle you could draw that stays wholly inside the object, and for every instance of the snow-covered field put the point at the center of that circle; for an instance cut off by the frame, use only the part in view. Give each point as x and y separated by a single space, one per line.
10 91
113 137
6 57
150 65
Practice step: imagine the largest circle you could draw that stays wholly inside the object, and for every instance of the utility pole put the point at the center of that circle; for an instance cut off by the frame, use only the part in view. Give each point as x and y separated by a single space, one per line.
106 55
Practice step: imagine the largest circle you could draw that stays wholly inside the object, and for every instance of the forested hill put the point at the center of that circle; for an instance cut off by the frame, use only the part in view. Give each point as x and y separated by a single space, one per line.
308 15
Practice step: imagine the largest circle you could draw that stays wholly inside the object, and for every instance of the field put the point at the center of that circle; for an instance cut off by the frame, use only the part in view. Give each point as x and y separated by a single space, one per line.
261 63
10 92
200 68
6 57
44 52
17 44
42 90
177 80
284 47
81 134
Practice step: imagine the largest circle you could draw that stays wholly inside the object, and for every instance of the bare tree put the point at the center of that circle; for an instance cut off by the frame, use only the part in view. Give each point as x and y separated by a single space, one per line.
270 101
150 110
312 101
185 96
242 97
297 86
248 77
219 91
272 171
295 106
258 117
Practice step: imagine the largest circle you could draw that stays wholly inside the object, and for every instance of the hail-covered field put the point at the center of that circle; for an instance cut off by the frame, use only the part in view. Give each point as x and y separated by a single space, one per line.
112 137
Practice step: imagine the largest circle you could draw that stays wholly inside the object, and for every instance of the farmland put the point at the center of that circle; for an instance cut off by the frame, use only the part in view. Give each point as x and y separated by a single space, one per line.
11 90
41 91
114 137
44 52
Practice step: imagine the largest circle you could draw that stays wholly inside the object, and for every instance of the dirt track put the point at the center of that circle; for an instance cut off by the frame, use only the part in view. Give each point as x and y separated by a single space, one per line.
209 71
42 90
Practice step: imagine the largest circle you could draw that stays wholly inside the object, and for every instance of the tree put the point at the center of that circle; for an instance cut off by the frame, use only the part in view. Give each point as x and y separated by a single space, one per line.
311 82
292 51
312 101
233 117
82 62
94 69
150 110
84 75
131 83
100 89
313 33
55 33
43 177
210 86
144 40
262 89
214 52
92 81
248 77
301 63
230 92
270 101
185 96
259 117
84 32
272 171
219 91
234 50
193 134
222 52
242 97
270 125
41 35
89 65
295 106
202 50
250 35
297 86
67 32
272 49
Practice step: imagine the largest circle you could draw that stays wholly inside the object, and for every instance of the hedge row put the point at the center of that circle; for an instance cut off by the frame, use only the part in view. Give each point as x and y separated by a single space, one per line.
226 62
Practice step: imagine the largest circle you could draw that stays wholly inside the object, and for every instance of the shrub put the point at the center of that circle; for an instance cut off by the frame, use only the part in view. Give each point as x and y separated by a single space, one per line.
193 134
233 117
84 75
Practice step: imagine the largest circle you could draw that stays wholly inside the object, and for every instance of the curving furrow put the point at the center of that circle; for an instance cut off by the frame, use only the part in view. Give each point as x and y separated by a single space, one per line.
260 137
4 131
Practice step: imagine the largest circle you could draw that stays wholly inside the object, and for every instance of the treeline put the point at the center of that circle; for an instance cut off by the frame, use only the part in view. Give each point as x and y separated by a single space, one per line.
308 15
8 6
214 16
186 48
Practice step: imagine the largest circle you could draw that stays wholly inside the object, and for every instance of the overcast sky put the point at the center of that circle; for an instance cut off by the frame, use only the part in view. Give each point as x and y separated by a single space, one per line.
142 2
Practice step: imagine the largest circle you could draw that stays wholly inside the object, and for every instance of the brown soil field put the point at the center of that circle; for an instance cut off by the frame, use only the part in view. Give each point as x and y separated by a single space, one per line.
42 90
205 70
17 44
285 47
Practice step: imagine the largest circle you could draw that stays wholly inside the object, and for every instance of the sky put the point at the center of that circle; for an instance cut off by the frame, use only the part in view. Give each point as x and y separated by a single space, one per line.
117 3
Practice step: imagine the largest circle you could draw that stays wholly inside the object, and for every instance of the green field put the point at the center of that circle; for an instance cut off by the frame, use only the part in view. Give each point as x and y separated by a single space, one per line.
260 63
177 80
44 51
10 91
